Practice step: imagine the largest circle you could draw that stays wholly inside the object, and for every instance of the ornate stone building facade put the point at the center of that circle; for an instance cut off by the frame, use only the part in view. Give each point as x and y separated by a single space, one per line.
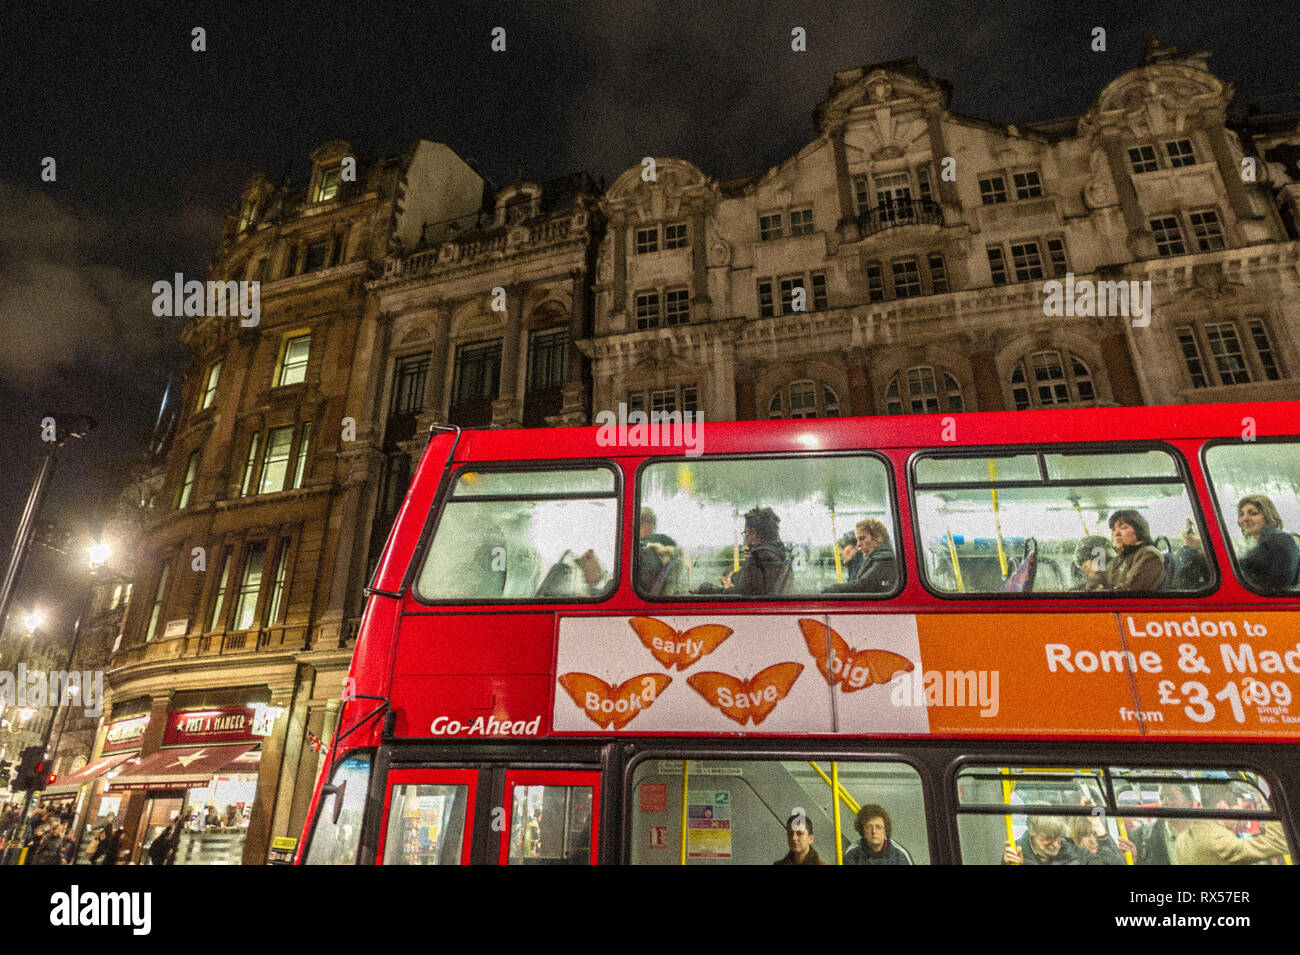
920 241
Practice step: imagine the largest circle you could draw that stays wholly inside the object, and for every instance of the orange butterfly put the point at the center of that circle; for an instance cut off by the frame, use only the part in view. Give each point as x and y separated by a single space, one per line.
607 705
680 647
743 700
852 669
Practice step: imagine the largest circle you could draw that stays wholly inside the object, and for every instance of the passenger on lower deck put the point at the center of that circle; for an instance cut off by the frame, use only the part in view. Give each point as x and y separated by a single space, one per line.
1045 843
799 837
1138 564
876 845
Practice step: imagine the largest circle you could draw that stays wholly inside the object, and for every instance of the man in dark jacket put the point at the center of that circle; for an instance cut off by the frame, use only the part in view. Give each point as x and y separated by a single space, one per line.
109 845
160 849
878 572
799 837
1044 843
850 557
761 571
876 845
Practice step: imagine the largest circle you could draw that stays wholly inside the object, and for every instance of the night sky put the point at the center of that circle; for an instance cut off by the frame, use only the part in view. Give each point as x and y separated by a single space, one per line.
153 142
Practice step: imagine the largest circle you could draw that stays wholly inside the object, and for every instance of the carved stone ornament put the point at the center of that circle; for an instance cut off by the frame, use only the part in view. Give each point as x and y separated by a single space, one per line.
1099 191
719 250
880 90
605 260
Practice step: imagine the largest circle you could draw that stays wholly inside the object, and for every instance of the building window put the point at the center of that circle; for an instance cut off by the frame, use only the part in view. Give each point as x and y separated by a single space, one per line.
159 595
304 443
861 194
1225 346
923 184
665 400
938 273
993 189
820 302
187 486
891 190
275 464
769 227
249 585
801 222
214 620
997 265
293 366
788 285
548 359
1056 257
804 399
1169 237
210 381
766 307
317 256
922 393
647 310
277 585
409 379
1142 158
248 215
393 484
1048 382
478 373
875 283
250 464
675 235
1207 229
1026 261
1180 152
647 240
1264 350
1192 356
1028 184
907 279
329 185
677 306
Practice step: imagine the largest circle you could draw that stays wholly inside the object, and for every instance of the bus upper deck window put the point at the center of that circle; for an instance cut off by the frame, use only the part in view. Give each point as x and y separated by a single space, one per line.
337 835
523 535
1058 522
766 528
1257 491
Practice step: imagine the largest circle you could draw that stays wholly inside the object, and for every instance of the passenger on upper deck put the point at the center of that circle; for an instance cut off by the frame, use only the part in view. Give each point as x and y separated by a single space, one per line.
877 846
1139 565
850 557
1273 563
1191 569
762 569
1091 557
879 570
654 552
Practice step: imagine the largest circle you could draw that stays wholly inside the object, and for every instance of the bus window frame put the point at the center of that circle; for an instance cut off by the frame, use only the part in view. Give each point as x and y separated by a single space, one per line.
1225 532
432 776
1279 811
705 750
373 754
434 521
892 502
1184 476
515 775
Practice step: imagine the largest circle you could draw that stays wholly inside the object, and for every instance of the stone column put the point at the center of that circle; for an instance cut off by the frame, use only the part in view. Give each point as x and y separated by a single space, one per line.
843 184
746 407
721 403
573 405
1124 384
506 410
1117 161
862 399
699 267
938 150
438 358
618 236
132 820
1229 170
988 389
257 841
295 732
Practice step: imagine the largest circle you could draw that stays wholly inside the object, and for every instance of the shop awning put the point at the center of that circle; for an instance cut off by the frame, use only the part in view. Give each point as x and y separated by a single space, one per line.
70 783
184 767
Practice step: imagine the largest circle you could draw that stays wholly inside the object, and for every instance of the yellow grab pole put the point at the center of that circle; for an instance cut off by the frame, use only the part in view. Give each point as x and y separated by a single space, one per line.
843 793
1078 510
1006 801
835 549
956 567
686 763
835 788
1123 834
735 541
997 519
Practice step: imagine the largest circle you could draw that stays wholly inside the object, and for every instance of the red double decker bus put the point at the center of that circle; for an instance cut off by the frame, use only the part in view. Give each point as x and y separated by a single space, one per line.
957 639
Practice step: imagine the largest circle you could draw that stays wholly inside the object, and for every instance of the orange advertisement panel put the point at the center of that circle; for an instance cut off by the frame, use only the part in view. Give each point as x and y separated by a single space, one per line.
1043 674
1218 673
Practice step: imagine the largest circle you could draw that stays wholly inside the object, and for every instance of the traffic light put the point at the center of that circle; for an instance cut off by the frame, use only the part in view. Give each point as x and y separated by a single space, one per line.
31 769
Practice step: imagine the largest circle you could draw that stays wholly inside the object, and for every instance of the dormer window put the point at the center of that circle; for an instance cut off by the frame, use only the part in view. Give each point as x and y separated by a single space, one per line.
328 187
248 215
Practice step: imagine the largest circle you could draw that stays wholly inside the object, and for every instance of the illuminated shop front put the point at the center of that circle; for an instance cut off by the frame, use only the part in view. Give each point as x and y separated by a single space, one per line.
94 808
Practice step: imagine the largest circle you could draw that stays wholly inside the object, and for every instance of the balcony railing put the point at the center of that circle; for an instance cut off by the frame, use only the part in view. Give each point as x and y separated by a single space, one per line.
257 640
900 212
478 246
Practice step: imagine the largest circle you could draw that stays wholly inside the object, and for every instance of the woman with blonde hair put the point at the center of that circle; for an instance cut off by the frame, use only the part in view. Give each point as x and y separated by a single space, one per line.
1273 563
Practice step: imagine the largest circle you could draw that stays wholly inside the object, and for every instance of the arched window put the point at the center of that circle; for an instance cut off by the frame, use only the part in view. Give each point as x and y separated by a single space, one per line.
804 399
1045 378
916 391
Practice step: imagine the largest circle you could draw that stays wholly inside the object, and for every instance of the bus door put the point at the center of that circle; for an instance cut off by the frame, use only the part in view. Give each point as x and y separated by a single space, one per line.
551 817
430 816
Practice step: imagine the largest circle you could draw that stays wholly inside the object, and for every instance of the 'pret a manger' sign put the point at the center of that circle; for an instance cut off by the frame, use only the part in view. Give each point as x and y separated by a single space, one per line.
229 724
